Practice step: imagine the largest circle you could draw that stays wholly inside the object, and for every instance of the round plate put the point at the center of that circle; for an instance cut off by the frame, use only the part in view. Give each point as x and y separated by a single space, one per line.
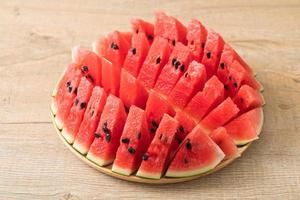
133 178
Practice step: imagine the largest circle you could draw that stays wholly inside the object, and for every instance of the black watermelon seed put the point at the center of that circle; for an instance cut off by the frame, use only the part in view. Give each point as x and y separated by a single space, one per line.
75 91
107 137
114 46
84 68
131 150
202 45
160 136
76 102
177 64
125 140
126 109
178 139
208 54
105 129
235 85
181 129
137 31
105 124
70 89
173 42
89 77
192 42
150 37
97 135
152 130
133 51
222 65
158 60
139 135
185 161
182 68
229 77
174 61
154 124
226 87
82 105
92 113
145 157
68 83
186 74
188 145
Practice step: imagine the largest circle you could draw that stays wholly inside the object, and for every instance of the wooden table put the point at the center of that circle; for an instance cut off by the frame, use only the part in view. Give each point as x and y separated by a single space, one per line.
35 42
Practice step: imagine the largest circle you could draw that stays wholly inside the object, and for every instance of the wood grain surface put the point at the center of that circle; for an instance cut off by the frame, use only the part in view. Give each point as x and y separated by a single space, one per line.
35 41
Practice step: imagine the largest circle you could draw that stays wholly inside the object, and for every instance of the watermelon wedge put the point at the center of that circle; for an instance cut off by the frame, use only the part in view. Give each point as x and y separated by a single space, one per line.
85 135
107 136
246 127
197 154
133 144
196 37
139 25
73 121
157 57
158 154
186 125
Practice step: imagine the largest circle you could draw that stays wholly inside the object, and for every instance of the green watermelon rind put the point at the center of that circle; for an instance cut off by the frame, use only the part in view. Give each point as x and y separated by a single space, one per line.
148 175
99 161
121 170
68 136
78 147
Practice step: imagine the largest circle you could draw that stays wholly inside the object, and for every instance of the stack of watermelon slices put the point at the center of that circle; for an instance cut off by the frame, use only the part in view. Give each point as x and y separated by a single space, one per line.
162 100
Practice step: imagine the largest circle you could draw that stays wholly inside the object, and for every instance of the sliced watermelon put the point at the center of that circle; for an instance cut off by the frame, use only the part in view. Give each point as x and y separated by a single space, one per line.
137 54
219 116
158 154
139 25
85 135
110 77
157 57
186 125
133 144
107 137
90 63
247 98
246 127
155 108
197 154
212 52
65 95
187 86
178 62
196 37
225 142
131 91
170 28
127 36
204 101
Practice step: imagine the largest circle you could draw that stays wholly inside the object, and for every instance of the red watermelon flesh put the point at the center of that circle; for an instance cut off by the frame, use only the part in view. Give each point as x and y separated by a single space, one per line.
110 77
225 142
139 25
206 100
127 36
107 137
155 108
66 93
73 121
178 62
137 54
170 28
186 125
133 144
90 63
157 57
196 37
246 127
212 52
85 135
132 92
197 154
191 82
219 116
247 98
158 154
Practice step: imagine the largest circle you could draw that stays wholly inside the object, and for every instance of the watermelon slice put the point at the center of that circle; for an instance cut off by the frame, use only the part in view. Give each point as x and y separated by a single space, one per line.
155 108
85 135
157 57
186 125
110 77
133 144
178 62
170 28
247 98
131 91
107 137
204 101
90 63
137 54
197 154
219 116
225 142
65 95
212 52
158 154
192 81
196 37
72 123
246 127
139 25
